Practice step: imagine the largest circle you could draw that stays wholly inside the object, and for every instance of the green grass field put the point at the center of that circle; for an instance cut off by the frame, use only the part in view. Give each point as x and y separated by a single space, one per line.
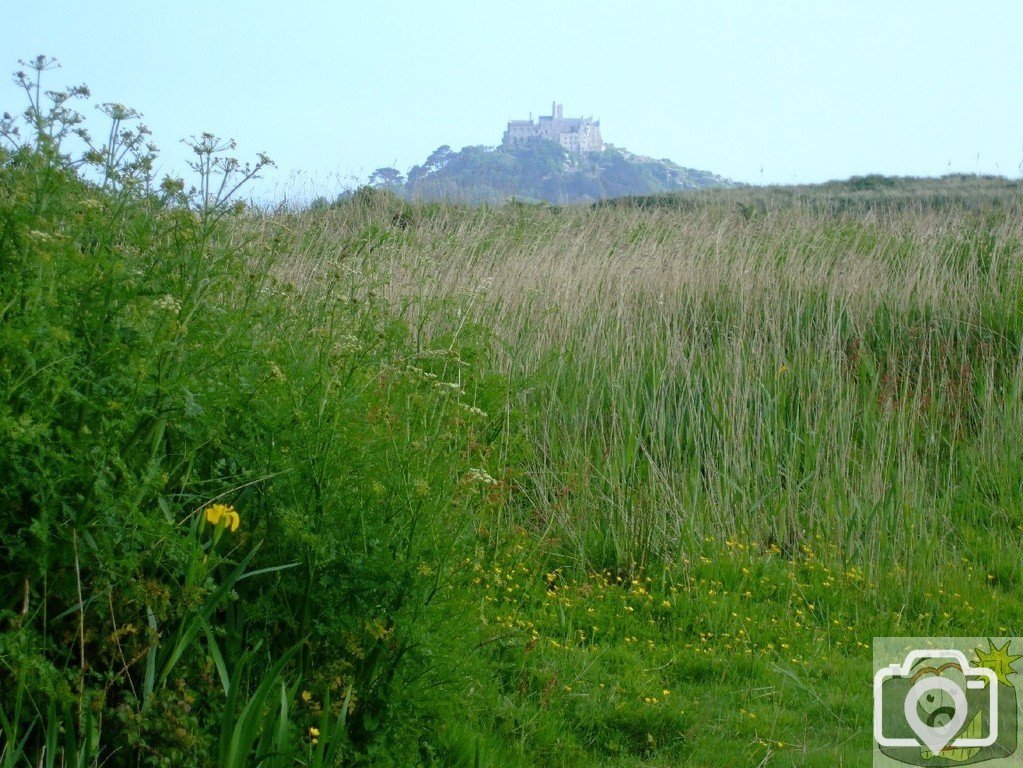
415 484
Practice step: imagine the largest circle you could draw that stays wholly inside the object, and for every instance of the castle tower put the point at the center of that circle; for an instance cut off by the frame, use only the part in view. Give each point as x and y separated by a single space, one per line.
575 134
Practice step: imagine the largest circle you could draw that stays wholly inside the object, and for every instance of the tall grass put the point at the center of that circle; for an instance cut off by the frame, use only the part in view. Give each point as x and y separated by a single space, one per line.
681 374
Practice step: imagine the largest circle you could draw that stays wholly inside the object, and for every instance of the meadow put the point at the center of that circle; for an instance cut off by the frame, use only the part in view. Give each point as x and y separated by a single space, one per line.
392 483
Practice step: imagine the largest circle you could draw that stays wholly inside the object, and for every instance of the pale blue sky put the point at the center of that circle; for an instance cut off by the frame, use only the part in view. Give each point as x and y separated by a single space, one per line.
772 91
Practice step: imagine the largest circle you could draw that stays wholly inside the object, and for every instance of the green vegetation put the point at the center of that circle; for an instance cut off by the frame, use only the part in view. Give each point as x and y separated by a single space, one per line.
393 483
858 195
540 171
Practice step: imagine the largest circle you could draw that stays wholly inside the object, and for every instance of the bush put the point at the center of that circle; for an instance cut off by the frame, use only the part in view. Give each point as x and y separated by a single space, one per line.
230 507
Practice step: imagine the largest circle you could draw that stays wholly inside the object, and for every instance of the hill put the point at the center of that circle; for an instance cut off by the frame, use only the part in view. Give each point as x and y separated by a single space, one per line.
540 171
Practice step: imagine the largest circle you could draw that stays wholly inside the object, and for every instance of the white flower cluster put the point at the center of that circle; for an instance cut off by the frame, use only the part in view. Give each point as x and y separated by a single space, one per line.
347 344
168 303
476 475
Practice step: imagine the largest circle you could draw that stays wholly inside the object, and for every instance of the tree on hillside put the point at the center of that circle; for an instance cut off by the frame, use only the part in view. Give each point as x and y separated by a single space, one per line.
382 178
440 157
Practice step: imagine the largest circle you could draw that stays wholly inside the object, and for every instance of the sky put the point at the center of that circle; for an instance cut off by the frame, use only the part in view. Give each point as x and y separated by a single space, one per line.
768 91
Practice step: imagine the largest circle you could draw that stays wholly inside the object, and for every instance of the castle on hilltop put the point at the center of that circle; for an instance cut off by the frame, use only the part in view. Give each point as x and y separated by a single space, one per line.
575 134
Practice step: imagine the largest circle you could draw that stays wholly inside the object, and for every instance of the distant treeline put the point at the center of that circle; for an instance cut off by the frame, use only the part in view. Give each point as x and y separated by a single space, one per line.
546 173
858 194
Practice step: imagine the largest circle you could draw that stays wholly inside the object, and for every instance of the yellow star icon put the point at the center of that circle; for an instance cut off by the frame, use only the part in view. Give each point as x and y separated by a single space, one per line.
998 660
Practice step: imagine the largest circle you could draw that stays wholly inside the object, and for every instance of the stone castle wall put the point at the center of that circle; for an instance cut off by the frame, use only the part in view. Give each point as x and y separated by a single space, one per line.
575 134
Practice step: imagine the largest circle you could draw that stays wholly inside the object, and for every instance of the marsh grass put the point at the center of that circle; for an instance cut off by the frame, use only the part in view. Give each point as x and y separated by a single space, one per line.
797 422
678 374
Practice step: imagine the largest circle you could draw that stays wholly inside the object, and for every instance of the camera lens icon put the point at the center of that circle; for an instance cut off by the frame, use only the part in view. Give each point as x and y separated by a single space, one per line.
935 702
943 705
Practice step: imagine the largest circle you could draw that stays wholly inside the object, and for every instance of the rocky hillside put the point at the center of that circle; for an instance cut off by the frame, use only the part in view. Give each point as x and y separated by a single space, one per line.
541 171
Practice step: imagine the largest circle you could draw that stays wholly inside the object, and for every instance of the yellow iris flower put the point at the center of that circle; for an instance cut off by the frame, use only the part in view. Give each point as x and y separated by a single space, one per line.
223 514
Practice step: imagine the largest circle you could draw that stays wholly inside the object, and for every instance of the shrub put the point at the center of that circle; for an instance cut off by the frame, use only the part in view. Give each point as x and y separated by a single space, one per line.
225 502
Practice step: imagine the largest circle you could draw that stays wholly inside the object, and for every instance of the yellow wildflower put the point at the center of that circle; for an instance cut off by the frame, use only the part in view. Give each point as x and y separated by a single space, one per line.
223 514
